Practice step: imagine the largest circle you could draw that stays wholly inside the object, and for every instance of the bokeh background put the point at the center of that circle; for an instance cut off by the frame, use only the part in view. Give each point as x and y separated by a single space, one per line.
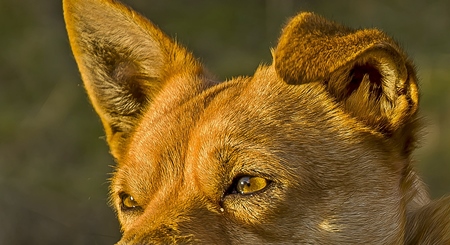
54 161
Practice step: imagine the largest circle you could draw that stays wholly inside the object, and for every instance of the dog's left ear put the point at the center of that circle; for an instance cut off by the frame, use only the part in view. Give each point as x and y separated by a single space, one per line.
364 70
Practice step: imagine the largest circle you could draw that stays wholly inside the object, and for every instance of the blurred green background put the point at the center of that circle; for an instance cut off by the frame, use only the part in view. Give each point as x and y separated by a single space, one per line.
54 161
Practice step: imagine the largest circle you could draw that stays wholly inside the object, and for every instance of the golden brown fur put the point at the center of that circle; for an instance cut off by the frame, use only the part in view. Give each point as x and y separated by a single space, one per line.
325 133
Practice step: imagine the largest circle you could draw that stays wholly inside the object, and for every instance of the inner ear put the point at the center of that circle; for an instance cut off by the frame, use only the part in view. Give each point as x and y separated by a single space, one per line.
375 88
134 90
367 71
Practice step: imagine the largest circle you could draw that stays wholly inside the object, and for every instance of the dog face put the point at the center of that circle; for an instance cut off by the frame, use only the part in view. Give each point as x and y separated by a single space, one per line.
245 160
314 148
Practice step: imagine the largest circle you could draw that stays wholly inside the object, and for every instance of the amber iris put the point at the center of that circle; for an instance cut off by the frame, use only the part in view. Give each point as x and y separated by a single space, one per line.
128 202
250 184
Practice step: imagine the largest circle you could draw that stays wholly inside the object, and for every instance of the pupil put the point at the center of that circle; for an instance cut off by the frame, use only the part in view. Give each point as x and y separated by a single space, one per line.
245 181
244 185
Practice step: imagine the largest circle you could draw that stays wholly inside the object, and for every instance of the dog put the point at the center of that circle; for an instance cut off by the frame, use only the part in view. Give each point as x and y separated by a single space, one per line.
314 148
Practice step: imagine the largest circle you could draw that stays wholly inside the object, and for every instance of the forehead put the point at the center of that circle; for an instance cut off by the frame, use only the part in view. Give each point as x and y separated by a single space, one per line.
249 107
253 109
250 119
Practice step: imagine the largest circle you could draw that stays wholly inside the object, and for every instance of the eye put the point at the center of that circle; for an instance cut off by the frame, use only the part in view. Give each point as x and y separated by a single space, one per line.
128 203
248 185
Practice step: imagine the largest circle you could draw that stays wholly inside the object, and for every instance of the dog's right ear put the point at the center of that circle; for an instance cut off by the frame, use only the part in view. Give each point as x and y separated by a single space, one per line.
124 61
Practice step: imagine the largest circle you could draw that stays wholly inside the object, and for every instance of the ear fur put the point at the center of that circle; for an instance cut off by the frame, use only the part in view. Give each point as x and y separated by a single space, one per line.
124 61
364 70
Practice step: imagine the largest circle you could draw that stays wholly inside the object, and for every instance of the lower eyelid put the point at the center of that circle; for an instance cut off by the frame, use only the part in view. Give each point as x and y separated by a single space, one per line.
238 202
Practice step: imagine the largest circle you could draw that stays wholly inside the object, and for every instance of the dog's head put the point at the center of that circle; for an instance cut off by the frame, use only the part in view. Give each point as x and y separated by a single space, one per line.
314 148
